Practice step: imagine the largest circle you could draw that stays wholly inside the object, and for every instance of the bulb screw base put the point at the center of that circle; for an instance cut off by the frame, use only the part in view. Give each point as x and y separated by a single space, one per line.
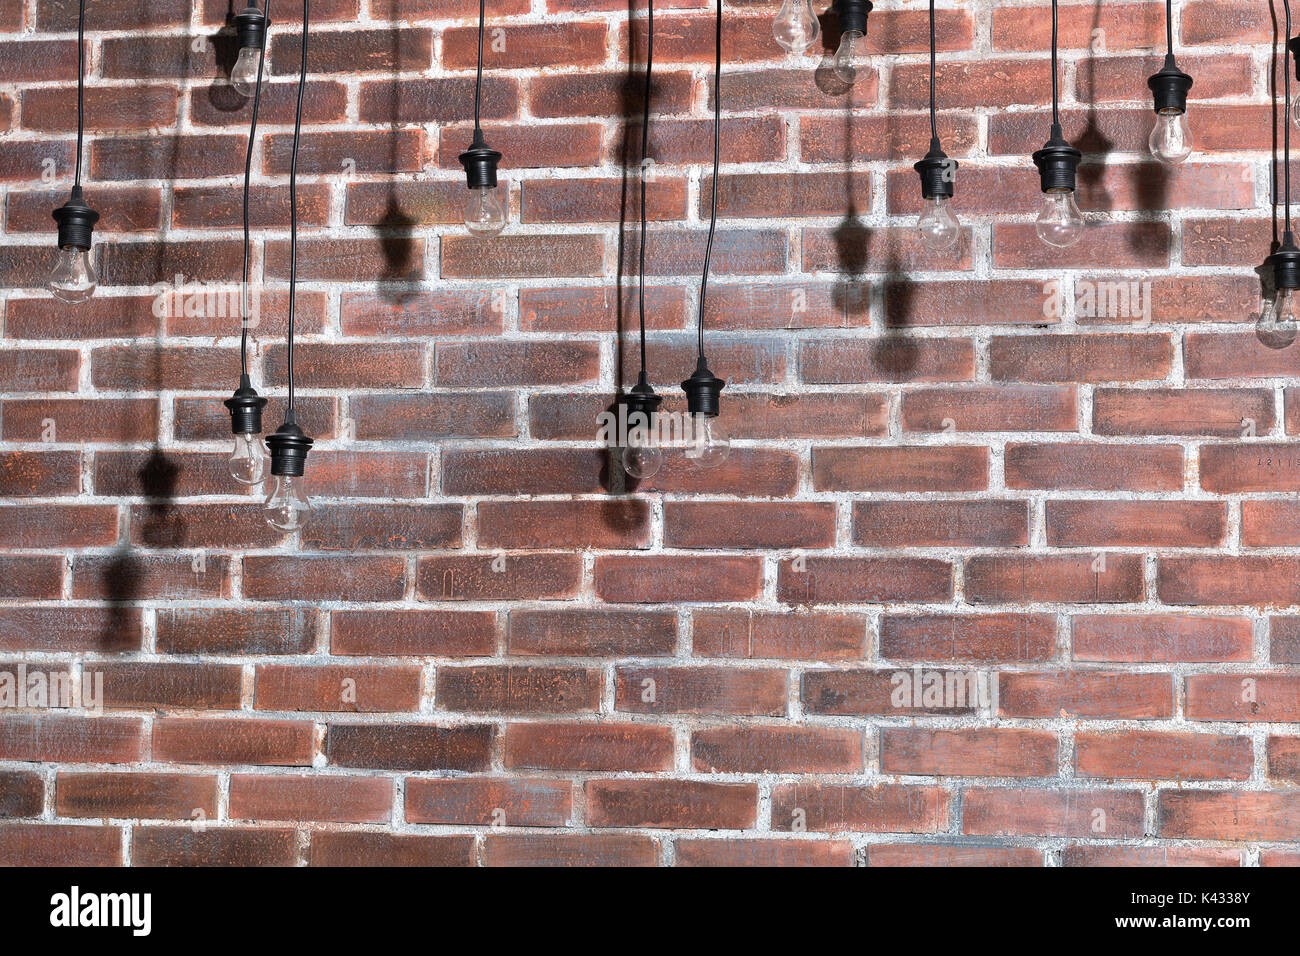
245 409
853 15
1170 87
76 222
480 162
250 27
1286 264
1058 163
703 390
289 445
936 171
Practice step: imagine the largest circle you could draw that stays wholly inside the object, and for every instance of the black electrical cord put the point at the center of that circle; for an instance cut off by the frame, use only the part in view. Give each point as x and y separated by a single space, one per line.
717 153
1169 26
293 207
1056 95
1286 121
478 79
81 91
645 155
934 126
248 173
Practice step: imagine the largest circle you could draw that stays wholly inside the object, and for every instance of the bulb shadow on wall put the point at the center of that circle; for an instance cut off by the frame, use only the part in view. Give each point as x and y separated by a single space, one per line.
1095 144
1275 338
396 230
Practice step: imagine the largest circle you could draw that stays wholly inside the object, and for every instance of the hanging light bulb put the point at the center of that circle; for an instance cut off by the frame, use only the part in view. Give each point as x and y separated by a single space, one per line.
853 30
796 27
1277 320
247 463
642 454
707 442
937 226
250 29
1171 137
485 214
73 277
287 506
1059 221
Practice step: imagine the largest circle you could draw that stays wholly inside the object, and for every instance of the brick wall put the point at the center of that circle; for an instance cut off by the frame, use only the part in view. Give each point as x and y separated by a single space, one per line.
482 650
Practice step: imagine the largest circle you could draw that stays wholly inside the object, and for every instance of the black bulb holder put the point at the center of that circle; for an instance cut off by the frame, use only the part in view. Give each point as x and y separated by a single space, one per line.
76 222
289 445
1058 163
1286 264
936 171
1293 45
703 390
480 162
853 15
245 409
250 27
1170 87
641 398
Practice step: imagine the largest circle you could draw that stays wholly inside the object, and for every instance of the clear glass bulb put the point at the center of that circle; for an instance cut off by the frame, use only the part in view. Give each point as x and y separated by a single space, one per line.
73 277
1278 319
247 463
796 27
708 444
1295 111
642 458
1171 138
287 506
1059 220
243 75
847 56
485 214
937 225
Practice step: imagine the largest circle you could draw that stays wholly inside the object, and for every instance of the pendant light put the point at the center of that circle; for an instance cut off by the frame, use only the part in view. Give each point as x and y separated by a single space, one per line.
708 443
247 463
485 212
853 29
937 226
796 27
1171 138
73 277
287 505
1278 319
642 454
1059 222
251 25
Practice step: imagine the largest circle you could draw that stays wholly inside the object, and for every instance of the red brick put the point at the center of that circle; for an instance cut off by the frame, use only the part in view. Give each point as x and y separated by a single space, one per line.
762 852
1251 466
822 636
843 362
1000 408
515 363
932 854
593 746
1099 694
622 523
981 637
1081 579
428 416
1156 638
1137 755
777 749
569 849
518 689
596 309
522 257
1113 814
862 692
22 794
52 738
1225 580
357 848
977 752
1081 466
1148 856
480 801
700 690
1284 758
1222 413
1243 697
584 633
213 846
674 804
914 524
887 808
730 525
502 578
145 796
400 633
386 527
1118 524
409 746
929 468
320 798
158 685
323 578
222 741
1119 26
353 689
841 580
33 844
1230 815
679 578
1080 358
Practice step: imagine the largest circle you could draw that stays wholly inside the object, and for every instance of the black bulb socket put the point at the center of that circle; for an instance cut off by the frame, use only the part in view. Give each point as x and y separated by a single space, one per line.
480 162
1293 45
1058 163
936 171
289 445
853 15
703 390
250 27
1170 87
1286 264
641 399
245 409
76 222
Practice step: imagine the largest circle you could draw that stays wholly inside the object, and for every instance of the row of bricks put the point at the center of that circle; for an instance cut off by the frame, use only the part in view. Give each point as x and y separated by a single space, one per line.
63 845
806 580
529 689
822 636
607 746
